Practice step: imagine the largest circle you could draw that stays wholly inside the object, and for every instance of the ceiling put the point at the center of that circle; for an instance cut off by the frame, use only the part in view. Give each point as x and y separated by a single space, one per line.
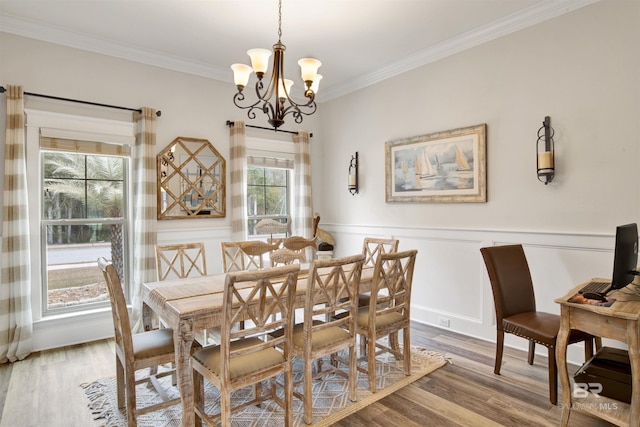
359 42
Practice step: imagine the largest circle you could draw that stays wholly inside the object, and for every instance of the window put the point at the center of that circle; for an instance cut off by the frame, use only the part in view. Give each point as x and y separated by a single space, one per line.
268 196
270 165
84 216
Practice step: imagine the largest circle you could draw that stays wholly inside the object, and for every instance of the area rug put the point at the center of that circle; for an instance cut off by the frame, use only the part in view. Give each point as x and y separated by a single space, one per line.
331 402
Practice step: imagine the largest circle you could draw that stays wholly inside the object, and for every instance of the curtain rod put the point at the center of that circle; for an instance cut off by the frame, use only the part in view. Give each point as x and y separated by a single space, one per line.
230 124
57 98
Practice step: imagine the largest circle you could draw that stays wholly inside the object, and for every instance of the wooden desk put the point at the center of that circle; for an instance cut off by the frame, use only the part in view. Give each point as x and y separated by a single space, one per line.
189 305
621 322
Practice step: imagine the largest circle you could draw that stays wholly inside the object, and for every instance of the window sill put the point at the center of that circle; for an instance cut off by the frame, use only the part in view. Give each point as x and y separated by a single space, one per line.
72 328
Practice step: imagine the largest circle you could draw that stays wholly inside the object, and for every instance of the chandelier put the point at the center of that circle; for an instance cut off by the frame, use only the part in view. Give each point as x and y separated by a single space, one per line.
275 99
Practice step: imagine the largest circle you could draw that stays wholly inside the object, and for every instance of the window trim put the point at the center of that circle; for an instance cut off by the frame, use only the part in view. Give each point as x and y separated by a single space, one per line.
123 131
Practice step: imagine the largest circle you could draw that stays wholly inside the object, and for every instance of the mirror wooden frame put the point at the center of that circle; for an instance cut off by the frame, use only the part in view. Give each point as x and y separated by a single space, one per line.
191 180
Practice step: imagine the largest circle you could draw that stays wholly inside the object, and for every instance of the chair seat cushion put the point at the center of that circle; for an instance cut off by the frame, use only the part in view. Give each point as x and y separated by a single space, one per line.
540 327
239 366
320 338
152 343
381 320
534 325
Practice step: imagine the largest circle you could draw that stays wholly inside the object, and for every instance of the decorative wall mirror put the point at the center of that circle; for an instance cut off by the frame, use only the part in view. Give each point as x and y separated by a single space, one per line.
191 180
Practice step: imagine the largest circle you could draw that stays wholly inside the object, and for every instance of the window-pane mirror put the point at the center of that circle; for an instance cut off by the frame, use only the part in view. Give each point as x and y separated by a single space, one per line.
191 180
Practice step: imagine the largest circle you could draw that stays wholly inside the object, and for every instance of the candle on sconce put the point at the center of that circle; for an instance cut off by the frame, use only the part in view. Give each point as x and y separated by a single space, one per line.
352 180
545 160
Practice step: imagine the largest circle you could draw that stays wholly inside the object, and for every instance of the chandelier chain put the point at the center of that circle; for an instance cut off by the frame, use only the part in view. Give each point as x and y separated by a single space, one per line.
279 20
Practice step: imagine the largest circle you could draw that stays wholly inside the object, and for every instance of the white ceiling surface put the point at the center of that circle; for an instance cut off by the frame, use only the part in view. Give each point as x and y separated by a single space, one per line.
359 42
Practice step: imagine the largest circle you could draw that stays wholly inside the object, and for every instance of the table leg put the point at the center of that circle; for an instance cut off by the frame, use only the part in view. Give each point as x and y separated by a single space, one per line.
633 341
561 361
182 341
147 316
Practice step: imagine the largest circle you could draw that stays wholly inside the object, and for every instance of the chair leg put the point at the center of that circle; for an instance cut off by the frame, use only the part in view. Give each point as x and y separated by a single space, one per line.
393 342
353 374
288 396
130 384
308 388
371 363
499 346
198 396
363 345
225 408
120 383
406 350
553 376
532 352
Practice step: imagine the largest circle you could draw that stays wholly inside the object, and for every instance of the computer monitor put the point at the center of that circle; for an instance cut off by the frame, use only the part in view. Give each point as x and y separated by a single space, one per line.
625 257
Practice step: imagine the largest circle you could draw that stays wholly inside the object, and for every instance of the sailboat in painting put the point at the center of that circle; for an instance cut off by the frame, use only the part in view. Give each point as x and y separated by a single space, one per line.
424 168
461 161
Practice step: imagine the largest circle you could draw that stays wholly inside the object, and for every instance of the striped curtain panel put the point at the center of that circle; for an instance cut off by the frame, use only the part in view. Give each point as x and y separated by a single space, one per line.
303 213
238 181
145 210
16 322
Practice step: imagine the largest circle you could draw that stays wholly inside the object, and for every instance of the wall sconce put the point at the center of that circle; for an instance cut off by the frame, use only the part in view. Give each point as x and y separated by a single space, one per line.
545 152
353 174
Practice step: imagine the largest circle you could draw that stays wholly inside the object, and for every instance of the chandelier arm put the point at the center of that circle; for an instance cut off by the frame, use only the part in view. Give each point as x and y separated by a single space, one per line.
239 97
305 109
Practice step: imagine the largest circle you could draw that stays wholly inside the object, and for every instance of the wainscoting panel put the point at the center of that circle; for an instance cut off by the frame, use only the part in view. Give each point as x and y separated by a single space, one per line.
451 288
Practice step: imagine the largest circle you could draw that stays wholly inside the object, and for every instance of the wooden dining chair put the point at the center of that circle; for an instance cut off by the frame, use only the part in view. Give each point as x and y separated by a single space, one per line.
178 261
372 247
245 255
516 313
389 310
332 284
293 249
136 351
182 260
249 356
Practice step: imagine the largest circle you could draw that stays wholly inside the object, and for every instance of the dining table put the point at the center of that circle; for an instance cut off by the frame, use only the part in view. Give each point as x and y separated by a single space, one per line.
194 304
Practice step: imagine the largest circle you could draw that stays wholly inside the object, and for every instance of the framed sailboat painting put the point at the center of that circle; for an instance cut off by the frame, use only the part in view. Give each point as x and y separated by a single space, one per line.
448 166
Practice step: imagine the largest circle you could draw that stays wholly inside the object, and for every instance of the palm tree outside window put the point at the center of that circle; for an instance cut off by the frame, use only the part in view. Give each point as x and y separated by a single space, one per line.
84 217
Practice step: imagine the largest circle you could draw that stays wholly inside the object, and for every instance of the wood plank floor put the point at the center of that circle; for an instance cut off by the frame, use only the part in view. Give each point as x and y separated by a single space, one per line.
44 389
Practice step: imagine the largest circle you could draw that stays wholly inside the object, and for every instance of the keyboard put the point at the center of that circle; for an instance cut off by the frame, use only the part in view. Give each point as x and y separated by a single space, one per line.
596 287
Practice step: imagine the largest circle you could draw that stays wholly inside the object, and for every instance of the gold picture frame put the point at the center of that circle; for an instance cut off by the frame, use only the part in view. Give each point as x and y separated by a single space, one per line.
441 167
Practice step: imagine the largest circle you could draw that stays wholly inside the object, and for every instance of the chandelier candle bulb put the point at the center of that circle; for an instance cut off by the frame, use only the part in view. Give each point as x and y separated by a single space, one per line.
241 74
316 83
259 60
309 70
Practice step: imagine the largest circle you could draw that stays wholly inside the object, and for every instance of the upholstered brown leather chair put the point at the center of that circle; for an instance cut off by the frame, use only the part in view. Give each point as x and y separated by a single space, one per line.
516 312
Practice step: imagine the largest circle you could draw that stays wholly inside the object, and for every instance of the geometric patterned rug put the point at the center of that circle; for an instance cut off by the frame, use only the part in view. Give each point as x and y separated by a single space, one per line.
331 401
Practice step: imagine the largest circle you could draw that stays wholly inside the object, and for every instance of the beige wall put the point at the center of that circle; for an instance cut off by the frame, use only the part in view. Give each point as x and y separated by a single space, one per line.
581 69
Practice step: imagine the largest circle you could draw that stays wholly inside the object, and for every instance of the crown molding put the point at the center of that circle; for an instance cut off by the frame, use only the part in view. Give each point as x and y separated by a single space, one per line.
21 27
517 21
